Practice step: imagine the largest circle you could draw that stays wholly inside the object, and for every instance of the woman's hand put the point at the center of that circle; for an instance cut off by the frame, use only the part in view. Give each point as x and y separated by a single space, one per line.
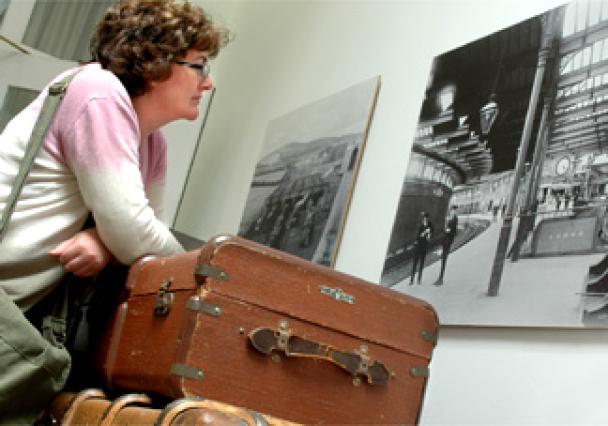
84 254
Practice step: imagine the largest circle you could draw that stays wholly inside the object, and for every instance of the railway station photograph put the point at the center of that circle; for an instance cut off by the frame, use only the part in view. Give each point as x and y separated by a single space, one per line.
502 214
302 184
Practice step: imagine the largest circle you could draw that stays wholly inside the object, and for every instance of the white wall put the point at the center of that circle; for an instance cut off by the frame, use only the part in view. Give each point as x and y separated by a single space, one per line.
183 136
13 27
289 53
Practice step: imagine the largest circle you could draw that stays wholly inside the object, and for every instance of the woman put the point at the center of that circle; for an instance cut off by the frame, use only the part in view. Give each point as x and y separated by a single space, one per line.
103 155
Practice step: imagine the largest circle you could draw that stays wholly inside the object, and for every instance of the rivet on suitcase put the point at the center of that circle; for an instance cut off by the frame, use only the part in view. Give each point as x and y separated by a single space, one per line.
255 327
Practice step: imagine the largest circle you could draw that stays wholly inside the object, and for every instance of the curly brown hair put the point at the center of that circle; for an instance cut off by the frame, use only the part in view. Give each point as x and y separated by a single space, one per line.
138 40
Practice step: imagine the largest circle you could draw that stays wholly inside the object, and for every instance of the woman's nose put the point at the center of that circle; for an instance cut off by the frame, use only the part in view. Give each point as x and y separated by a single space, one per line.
206 84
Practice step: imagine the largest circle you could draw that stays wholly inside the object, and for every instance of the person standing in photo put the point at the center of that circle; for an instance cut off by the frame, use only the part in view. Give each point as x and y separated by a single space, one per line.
423 235
451 227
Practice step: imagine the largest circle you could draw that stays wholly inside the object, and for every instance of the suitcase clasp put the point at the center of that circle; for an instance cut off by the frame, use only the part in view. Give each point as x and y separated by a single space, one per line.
164 299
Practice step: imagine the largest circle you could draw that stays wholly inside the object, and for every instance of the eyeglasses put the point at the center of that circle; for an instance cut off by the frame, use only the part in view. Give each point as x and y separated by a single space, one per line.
203 69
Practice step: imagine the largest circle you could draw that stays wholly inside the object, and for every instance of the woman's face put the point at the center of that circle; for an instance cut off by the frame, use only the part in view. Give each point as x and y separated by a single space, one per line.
181 93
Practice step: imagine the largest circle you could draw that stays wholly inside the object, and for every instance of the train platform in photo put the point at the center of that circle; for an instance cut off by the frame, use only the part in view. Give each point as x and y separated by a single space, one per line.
534 291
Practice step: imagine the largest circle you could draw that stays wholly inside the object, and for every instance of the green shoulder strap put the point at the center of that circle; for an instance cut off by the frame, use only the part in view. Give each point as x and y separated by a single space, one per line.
49 107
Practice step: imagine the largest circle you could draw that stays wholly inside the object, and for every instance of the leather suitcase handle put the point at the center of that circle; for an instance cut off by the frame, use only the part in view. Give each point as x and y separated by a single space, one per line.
265 340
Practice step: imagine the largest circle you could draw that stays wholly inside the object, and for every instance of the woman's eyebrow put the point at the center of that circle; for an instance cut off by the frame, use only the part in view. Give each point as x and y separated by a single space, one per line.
202 56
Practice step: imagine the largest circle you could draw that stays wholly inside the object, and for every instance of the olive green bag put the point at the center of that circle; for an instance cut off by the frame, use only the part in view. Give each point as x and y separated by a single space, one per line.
34 367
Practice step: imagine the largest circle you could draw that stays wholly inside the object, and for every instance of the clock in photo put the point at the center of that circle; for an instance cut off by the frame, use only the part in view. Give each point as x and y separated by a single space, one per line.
562 166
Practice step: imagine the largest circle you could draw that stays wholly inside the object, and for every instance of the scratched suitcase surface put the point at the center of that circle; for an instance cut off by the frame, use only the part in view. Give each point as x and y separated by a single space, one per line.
242 323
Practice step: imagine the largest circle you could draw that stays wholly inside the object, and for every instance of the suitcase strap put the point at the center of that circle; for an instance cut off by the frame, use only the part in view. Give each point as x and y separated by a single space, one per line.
357 363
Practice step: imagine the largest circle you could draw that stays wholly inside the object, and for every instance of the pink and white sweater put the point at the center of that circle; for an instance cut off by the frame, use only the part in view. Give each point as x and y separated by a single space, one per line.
93 160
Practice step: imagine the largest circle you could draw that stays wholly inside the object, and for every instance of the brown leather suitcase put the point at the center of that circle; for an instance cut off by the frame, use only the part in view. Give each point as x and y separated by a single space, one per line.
90 407
255 327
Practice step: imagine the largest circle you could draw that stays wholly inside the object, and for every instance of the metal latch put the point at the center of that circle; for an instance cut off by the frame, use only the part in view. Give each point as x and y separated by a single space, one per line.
186 371
195 303
207 270
419 372
429 336
164 298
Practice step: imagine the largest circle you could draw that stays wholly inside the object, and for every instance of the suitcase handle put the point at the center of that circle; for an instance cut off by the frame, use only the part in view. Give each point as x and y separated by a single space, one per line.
265 340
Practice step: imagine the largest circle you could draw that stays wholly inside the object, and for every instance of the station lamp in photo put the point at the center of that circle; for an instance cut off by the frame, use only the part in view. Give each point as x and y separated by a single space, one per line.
487 115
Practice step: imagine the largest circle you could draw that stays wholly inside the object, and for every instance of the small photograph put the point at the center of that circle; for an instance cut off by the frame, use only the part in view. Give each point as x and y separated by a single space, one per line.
303 180
502 217
3 7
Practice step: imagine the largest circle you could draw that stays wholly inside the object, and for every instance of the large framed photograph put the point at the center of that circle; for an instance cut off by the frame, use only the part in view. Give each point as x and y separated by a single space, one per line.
502 217
303 180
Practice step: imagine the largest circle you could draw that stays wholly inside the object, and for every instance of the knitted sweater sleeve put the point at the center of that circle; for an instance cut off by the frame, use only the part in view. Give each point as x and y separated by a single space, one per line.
102 149
153 162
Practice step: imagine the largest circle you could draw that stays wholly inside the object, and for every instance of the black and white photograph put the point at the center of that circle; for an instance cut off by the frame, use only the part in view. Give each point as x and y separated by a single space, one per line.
303 180
502 213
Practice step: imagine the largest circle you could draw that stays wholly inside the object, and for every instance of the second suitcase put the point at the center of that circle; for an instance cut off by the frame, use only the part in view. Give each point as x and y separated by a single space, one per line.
90 407
254 327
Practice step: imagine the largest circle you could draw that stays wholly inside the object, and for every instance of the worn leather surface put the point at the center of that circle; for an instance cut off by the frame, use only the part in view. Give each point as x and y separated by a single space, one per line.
92 407
211 356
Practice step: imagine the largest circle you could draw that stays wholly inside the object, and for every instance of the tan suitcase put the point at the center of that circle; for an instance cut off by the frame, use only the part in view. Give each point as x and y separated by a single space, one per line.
242 323
91 407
